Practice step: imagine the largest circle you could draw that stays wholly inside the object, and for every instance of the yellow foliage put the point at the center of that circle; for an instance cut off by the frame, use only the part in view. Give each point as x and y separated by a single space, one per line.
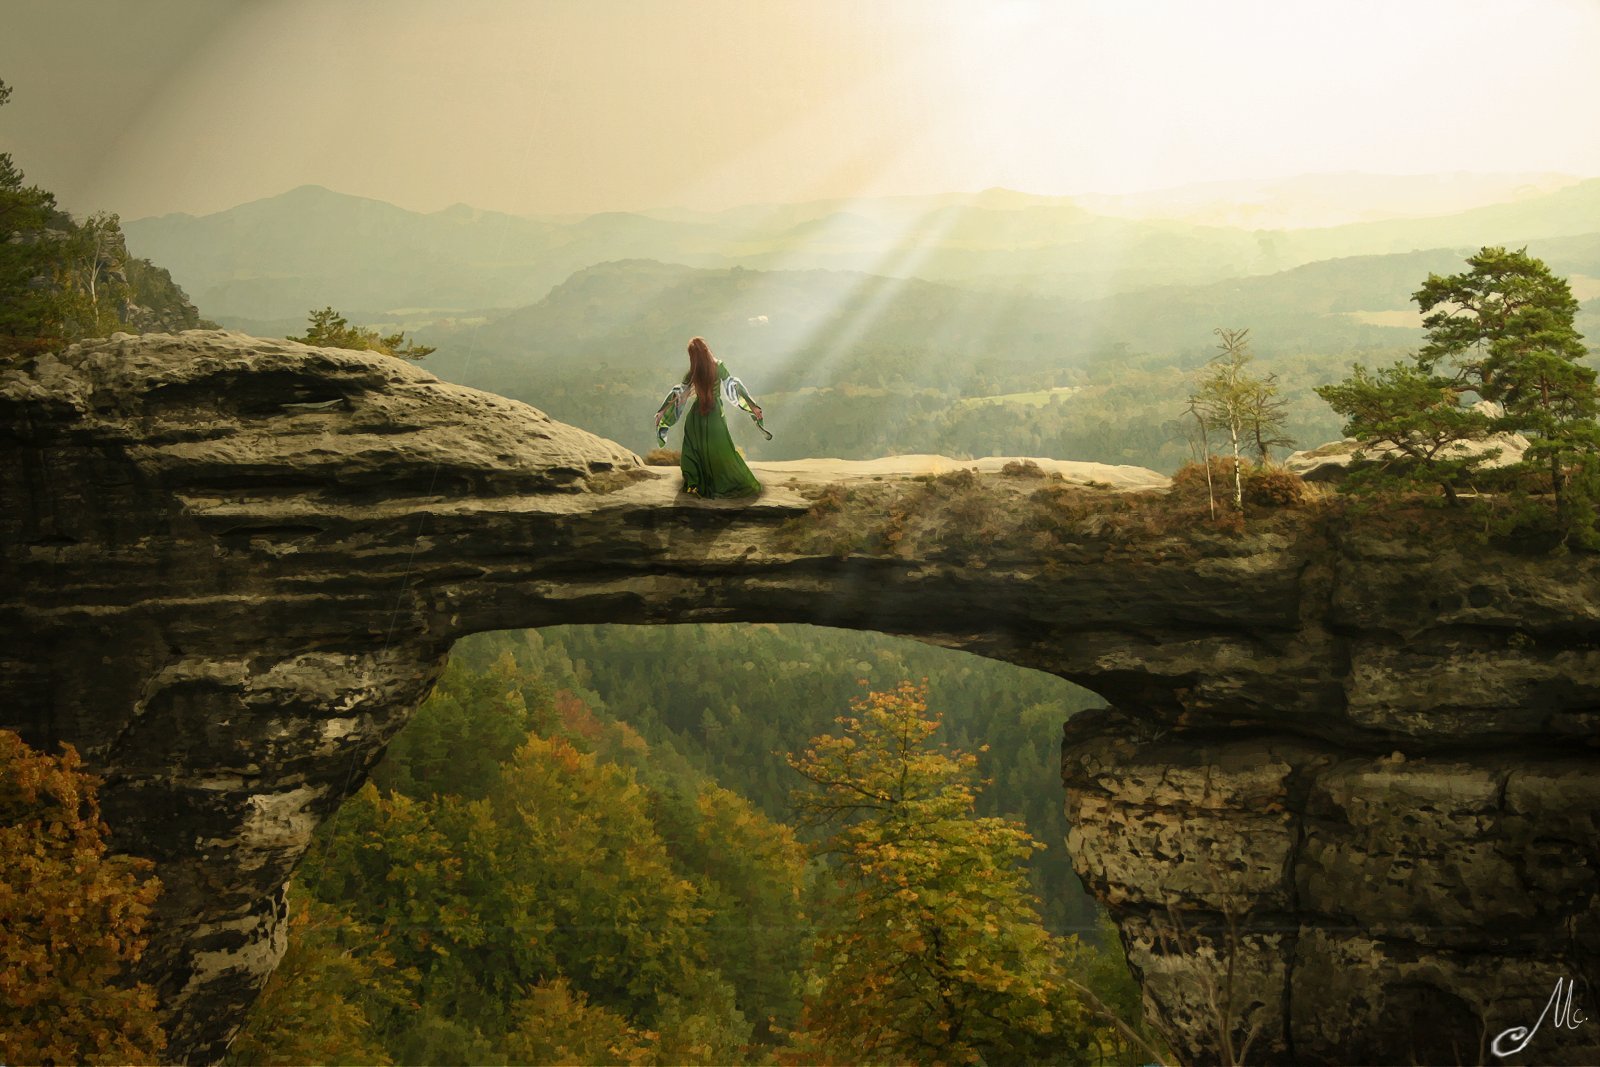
73 919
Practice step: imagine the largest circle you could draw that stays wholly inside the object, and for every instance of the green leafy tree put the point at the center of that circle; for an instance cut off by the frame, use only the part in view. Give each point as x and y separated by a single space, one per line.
556 1024
750 873
329 329
470 724
1487 320
931 948
329 997
61 281
587 886
91 276
29 314
72 919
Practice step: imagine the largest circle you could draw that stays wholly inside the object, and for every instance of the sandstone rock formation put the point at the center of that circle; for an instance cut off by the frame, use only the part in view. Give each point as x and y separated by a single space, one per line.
1355 775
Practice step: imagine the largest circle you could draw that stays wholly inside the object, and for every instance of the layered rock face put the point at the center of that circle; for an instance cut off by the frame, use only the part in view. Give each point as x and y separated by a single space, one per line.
1342 805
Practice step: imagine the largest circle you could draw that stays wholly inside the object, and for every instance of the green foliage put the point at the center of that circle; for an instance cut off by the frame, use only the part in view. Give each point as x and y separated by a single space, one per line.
62 281
30 317
583 894
91 283
73 919
751 875
725 703
1503 331
594 888
334 986
555 1024
160 300
472 722
499 873
329 329
1412 424
1507 326
934 950
1488 320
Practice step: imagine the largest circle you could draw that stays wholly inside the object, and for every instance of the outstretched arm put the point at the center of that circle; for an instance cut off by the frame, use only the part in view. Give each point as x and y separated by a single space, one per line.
734 390
670 409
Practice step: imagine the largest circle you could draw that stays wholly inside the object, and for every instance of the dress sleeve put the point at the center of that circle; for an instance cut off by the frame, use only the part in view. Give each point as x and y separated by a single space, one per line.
734 392
670 409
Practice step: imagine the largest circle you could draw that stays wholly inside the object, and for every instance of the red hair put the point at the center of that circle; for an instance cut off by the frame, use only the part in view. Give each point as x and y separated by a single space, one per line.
703 375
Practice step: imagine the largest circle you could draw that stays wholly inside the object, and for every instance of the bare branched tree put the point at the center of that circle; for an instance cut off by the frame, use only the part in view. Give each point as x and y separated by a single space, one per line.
1234 1025
1244 407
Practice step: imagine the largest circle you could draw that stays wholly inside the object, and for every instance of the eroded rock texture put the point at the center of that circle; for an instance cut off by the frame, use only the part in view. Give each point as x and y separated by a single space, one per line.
1361 775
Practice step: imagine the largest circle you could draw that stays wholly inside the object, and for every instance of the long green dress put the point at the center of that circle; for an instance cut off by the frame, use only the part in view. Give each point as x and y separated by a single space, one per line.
712 467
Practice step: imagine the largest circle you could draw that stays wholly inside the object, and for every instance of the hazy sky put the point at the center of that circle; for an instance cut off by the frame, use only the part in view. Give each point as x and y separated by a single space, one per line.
550 106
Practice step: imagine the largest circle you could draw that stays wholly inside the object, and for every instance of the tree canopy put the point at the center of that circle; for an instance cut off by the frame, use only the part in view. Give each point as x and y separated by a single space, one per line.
73 918
29 315
62 280
935 951
529 879
1501 333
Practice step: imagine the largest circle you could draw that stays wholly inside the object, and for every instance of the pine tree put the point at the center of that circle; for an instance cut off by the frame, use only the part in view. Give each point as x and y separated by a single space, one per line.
1506 325
1501 331
1417 419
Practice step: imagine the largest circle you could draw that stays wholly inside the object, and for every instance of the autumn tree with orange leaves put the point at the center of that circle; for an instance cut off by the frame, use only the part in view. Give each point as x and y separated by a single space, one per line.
72 919
933 951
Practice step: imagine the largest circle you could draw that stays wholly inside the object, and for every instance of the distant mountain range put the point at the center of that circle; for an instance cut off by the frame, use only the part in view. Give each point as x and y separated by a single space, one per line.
1321 200
799 329
275 259
870 324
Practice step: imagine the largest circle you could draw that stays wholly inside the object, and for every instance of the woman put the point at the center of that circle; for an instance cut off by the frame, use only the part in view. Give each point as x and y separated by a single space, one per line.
712 467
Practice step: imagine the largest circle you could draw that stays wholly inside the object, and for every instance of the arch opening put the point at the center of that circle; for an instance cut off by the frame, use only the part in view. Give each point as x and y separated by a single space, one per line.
686 714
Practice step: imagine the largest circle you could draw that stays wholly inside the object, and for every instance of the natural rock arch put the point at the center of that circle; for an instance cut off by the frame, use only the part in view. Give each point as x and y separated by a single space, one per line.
1363 771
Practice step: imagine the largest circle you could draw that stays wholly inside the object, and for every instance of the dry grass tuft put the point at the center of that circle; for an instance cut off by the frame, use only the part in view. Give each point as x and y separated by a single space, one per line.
1023 468
981 519
978 520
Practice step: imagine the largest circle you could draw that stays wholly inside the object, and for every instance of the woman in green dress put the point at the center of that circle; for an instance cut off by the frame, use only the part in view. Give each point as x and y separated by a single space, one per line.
712 467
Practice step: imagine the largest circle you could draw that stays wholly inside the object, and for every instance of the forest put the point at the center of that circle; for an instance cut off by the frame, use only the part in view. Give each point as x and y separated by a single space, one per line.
596 844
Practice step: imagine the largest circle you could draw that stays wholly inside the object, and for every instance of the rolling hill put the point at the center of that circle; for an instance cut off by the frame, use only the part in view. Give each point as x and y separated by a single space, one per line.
274 259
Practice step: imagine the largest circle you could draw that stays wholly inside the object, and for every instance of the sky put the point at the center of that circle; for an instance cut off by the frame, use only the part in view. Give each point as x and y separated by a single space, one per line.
577 106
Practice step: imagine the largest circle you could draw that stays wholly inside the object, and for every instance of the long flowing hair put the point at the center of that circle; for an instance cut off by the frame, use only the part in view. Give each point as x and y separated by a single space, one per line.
703 375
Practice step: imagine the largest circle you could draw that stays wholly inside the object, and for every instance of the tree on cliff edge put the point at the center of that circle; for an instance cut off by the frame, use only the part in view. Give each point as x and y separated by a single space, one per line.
1507 327
329 329
62 281
1231 400
28 314
1501 331
73 919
